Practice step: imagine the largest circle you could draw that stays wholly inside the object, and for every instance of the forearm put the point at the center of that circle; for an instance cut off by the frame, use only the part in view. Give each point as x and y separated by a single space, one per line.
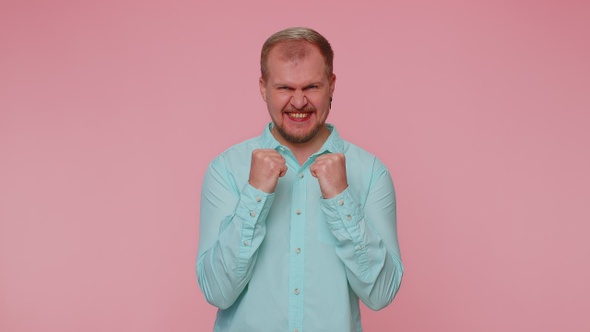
367 238
374 273
225 266
224 270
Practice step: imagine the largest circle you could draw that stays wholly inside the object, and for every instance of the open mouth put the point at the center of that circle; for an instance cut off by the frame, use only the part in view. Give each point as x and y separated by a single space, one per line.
299 115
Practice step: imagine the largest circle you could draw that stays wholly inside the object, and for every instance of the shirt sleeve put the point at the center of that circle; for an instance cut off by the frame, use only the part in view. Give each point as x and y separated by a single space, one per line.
232 227
367 239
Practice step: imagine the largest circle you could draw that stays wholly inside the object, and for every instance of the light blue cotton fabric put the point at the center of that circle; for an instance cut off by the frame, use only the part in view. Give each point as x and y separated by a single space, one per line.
291 260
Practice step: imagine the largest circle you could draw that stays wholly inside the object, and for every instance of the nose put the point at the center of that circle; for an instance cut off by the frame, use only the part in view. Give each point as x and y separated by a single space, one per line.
298 99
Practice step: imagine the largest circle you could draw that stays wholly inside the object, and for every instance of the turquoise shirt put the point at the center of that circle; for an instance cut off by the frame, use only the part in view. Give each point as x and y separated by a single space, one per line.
293 261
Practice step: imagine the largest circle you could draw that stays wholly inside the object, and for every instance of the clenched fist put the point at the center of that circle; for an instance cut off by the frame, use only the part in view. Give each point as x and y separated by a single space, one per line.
330 170
266 168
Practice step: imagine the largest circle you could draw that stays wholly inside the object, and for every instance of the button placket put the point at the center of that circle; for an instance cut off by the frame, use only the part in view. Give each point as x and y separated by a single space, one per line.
297 248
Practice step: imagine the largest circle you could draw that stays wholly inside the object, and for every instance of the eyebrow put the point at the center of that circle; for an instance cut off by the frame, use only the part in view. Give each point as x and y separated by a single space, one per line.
276 85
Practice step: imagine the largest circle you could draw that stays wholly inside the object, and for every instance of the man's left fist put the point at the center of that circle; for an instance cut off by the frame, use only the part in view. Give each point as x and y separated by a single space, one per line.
330 170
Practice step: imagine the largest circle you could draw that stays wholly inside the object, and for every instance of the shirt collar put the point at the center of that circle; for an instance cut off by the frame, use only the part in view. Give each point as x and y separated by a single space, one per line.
334 144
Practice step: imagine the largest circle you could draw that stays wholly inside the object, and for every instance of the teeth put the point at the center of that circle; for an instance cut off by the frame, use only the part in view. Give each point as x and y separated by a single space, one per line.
299 115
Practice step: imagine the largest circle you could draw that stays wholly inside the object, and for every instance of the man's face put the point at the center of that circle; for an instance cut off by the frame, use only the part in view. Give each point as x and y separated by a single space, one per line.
297 93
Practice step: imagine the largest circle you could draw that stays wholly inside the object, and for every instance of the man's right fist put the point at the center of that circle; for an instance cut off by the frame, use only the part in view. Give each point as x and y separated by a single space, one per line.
266 168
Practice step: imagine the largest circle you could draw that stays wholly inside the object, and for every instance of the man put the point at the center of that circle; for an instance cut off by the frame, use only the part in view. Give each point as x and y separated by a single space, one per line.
297 224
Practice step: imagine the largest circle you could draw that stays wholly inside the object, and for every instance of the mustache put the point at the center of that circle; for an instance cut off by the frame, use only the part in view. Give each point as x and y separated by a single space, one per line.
306 109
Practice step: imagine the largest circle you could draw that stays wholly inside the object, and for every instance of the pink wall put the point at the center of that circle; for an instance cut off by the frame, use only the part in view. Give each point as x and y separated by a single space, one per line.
111 110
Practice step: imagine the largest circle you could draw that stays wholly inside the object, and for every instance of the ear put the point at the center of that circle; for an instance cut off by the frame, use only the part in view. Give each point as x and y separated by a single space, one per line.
332 84
262 88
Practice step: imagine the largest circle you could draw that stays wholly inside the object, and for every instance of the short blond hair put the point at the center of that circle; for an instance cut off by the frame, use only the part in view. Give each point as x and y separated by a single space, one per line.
297 40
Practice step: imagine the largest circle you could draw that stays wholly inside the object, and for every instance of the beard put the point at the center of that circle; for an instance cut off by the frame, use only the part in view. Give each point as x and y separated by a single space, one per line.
298 139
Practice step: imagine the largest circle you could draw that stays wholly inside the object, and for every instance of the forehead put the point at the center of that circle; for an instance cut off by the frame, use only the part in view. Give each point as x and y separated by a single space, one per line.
297 57
293 50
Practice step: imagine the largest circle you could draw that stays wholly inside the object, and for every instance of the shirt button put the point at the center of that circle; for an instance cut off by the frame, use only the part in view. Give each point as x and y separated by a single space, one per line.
258 199
298 250
341 202
300 175
296 330
298 212
282 149
359 247
246 243
252 214
349 217
296 291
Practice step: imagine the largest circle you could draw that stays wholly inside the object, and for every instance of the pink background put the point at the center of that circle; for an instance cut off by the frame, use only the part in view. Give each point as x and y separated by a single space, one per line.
110 111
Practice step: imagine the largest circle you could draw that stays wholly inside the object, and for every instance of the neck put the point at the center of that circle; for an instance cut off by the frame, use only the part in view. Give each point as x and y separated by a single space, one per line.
302 151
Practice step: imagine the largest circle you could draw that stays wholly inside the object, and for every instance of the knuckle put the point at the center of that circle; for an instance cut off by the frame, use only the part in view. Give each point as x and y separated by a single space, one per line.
258 154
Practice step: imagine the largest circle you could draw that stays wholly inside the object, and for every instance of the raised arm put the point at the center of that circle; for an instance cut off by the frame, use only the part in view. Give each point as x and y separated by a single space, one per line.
233 225
367 238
